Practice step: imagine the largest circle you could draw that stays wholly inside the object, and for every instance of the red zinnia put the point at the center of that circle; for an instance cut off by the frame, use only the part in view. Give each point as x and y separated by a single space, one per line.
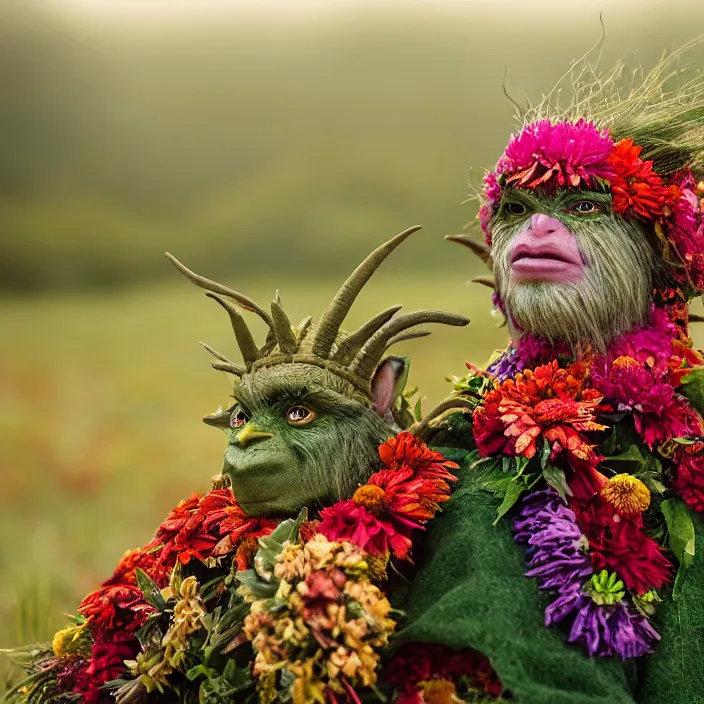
547 401
383 512
636 188
107 662
406 450
422 662
352 522
203 527
688 477
619 544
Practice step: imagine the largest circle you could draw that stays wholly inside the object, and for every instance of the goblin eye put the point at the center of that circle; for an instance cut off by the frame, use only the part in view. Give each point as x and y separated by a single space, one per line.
585 207
238 418
299 415
513 208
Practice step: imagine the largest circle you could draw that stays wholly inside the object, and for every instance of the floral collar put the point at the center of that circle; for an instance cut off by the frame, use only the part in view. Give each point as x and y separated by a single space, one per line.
602 460
264 610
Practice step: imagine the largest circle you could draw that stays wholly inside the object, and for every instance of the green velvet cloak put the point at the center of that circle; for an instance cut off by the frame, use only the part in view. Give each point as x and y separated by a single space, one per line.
471 592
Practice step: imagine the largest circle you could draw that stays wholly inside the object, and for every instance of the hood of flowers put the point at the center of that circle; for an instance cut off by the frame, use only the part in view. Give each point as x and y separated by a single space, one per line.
579 155
260 609
604 457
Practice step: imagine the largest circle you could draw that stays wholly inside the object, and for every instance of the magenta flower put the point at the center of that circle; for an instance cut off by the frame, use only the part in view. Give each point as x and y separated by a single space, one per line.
528 352
659 413
650 345
563 154
685 229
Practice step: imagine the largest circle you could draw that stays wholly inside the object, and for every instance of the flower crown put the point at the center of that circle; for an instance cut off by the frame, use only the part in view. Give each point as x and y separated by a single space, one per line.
578 155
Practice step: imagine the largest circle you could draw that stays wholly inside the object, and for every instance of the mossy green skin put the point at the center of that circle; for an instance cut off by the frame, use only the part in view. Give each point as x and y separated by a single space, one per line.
298 436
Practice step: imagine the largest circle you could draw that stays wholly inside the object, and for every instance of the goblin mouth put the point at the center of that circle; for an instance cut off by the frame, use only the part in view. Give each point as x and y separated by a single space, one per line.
523 252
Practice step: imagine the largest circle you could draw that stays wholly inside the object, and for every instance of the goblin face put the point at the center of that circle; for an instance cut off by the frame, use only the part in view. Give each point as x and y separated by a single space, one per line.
298 436
567 268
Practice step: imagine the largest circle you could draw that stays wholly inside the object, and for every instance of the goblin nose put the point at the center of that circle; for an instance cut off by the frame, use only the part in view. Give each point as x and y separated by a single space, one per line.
249 435
543 224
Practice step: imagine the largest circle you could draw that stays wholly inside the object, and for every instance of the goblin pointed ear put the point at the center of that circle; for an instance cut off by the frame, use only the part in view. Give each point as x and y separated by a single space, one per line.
388 382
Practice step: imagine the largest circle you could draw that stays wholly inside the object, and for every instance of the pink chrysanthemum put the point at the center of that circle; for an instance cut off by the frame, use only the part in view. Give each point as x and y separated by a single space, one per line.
649 345
659 414
685 228
559 155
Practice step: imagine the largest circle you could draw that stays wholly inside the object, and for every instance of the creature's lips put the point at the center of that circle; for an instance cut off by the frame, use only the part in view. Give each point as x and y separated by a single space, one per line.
547 262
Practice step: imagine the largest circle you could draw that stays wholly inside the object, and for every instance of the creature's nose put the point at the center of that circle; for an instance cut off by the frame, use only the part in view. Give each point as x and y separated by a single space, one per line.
250 435
543 225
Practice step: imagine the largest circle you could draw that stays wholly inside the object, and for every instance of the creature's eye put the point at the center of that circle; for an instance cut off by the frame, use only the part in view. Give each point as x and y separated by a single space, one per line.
515 208
585 207
238 418
299 415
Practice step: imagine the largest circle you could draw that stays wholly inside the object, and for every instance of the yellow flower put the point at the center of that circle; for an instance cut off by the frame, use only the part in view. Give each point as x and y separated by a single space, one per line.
377 566
371 497
626 494
439 691
72 640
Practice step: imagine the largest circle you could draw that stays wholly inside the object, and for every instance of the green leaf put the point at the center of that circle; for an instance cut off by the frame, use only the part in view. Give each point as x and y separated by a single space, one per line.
545 454
680 536
622 437
150 589
418 409
555 477
633 454
520 463
271 545
513 493
693 388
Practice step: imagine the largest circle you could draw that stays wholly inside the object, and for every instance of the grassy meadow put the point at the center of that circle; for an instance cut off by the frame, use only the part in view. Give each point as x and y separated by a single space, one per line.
268 149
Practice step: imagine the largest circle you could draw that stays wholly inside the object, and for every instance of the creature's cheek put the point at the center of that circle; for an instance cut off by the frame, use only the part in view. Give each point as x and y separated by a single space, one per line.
266 480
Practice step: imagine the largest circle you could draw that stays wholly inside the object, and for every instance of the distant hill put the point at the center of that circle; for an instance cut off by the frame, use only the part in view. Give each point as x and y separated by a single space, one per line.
249 142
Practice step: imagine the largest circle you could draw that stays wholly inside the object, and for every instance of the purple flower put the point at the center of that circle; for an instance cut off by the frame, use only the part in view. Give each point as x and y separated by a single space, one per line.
612 630
555 545
529 351
558 560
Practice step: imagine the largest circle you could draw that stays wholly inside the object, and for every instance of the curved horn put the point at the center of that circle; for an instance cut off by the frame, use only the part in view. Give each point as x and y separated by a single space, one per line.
353 343
409 335
485 281
224 365
303 328
229 368
244 338
282 328
369 355
342 302
246 302
478 248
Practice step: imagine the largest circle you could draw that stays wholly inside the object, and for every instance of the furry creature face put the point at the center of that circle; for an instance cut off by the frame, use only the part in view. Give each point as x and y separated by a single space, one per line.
298 437
567 268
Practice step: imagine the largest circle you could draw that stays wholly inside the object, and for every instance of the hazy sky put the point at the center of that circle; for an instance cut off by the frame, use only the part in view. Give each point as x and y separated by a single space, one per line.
163 8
